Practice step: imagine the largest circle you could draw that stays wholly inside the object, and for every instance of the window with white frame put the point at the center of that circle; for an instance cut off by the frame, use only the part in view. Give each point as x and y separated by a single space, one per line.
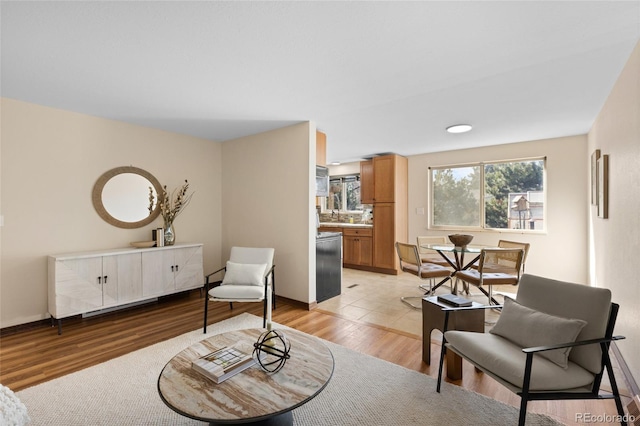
497 195
344 193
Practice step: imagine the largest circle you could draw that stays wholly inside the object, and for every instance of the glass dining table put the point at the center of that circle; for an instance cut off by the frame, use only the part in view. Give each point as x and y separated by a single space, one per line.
457 263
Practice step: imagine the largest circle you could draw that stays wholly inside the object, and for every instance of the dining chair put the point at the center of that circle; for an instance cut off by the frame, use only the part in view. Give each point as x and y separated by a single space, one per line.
410 262
506 268
249 276
489 272
429 256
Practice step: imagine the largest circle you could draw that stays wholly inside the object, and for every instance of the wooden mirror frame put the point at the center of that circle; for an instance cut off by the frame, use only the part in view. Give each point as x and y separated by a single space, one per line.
102 211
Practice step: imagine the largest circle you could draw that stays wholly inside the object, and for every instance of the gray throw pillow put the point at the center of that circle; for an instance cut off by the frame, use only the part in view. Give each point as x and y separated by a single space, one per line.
528 328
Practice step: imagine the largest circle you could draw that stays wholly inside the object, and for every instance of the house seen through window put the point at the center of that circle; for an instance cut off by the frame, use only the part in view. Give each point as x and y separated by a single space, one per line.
500 195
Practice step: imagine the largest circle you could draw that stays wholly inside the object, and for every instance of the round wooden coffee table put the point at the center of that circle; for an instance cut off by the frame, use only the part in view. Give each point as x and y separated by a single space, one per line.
252 396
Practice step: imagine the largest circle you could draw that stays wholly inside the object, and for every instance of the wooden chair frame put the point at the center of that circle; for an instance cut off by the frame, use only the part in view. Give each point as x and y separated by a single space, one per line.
511 254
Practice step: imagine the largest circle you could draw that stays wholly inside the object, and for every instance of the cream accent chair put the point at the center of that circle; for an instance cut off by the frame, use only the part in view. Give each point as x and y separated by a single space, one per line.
551 343
410 262
489 273
249 276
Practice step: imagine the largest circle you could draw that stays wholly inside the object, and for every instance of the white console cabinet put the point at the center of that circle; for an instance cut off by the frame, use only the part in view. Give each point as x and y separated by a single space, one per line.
84 282
168 271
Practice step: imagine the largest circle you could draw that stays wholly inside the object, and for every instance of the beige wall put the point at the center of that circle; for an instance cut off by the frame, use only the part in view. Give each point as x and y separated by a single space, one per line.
561 252
616 240
344 169
268 200
567 217
50 162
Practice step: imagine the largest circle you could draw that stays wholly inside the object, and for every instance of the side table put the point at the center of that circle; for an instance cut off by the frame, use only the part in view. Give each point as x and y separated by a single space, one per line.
433 319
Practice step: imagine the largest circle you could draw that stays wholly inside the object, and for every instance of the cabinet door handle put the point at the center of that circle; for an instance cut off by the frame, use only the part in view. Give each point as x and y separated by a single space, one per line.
176 268
171 268
105 279
99 280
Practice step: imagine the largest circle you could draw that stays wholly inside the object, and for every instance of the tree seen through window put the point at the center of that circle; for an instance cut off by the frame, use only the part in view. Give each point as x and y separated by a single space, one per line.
508 195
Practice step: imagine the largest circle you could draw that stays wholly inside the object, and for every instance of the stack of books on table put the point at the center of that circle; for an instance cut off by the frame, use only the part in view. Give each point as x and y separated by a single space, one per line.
225 362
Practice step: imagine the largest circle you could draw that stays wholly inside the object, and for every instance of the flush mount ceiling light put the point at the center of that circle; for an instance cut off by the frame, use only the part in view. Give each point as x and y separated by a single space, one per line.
459 128
335 163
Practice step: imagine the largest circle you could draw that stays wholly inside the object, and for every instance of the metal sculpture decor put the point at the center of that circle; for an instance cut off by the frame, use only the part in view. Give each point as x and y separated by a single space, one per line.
272 350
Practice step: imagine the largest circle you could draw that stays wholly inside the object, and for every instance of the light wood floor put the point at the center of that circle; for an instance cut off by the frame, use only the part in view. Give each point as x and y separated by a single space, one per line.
39 354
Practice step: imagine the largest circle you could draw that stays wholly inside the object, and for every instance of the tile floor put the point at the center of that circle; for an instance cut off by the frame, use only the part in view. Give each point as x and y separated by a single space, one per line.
375 298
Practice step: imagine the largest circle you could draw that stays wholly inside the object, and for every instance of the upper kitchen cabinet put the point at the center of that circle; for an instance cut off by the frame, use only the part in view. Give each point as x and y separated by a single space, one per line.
366 182
321 149
383 178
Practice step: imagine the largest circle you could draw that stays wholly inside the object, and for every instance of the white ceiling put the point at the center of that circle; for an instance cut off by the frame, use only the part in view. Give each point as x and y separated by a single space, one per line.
375 76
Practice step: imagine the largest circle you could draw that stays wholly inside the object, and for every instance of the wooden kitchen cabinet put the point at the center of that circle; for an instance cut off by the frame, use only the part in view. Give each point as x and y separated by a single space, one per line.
321 148
383 183
366 182
357 247
383 178
384 225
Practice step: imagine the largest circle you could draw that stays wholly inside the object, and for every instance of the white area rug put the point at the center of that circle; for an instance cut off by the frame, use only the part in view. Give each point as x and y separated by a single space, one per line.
363 391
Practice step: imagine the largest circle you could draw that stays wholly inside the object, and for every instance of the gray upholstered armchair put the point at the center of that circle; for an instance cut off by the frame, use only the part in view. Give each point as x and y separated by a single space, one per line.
552 342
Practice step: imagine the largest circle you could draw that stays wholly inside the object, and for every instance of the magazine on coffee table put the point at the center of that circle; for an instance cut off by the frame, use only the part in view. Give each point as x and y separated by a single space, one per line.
225 362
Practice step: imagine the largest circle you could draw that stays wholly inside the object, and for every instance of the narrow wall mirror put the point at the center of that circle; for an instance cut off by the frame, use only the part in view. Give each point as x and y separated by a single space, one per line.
127 197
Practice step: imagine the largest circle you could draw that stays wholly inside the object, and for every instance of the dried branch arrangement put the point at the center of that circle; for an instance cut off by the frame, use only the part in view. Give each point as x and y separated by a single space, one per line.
173 204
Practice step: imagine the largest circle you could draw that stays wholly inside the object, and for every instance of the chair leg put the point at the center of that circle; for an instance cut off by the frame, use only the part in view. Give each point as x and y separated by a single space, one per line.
523 412
443 352
206 309
273 289
428 292
465 288
613 384
491 299
405 300
264 312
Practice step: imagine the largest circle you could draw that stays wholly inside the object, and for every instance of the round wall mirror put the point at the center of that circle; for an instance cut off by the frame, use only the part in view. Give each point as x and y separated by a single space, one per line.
127 197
